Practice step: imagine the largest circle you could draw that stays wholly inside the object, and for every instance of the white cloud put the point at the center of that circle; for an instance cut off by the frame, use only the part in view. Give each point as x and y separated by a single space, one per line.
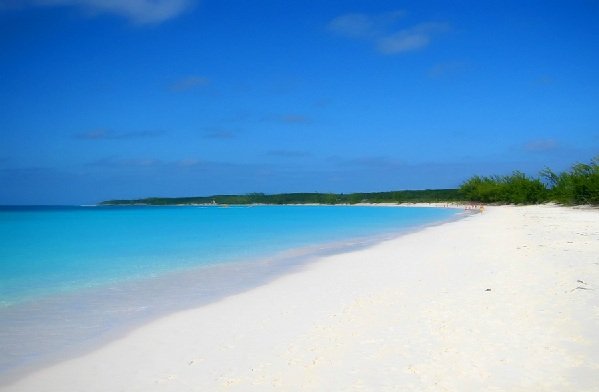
413 38
382 31
402 42
137 11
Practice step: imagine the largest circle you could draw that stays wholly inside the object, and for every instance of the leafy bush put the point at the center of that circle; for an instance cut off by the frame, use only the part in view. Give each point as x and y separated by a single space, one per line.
520 189
580 185
514 189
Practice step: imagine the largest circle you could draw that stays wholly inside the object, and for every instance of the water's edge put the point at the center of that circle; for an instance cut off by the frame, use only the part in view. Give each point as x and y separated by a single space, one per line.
110 312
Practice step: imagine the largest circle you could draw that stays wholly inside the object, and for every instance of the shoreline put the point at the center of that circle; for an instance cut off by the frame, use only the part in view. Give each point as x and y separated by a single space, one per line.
127 308
504 300
449 204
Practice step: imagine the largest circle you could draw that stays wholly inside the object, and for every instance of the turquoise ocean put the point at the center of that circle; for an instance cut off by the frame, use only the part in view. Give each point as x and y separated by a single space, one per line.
73 276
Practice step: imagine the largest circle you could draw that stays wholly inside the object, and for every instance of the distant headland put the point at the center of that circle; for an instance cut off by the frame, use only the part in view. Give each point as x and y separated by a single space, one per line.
406 196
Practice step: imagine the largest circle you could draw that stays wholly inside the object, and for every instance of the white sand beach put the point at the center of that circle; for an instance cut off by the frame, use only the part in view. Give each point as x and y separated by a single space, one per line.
506 300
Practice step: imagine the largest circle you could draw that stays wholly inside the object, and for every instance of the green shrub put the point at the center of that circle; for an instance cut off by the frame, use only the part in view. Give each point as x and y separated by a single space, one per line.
520 189
580 185
514 189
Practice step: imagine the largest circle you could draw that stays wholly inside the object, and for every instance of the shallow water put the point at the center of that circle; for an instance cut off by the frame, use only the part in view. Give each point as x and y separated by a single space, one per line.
47 250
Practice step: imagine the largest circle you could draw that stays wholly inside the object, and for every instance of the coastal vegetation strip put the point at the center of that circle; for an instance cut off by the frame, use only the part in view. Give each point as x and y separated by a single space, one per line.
579 185
410 196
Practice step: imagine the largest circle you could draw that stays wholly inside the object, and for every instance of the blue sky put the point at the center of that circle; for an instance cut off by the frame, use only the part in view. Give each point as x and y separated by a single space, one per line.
104 99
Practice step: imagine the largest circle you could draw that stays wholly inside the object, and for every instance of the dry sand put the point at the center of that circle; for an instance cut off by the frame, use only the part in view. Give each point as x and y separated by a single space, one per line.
507 300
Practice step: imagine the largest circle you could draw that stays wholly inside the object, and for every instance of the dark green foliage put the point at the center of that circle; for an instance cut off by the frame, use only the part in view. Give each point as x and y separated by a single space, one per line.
520 189
580 185
514 189
423 196
481 189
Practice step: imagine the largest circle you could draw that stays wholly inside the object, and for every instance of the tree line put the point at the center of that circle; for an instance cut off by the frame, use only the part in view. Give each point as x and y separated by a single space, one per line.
409 196
578 185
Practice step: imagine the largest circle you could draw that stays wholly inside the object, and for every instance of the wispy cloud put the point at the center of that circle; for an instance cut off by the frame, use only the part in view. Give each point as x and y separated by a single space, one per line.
189 83
405 40
219 133
157 165
288 153
445 69
189 162
103 134
286 118
382 32
120 163
544 81
367 162
541 145
293 119
137 11
364 25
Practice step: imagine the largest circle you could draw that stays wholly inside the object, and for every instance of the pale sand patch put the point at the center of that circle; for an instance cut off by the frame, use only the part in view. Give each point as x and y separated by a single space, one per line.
410 314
